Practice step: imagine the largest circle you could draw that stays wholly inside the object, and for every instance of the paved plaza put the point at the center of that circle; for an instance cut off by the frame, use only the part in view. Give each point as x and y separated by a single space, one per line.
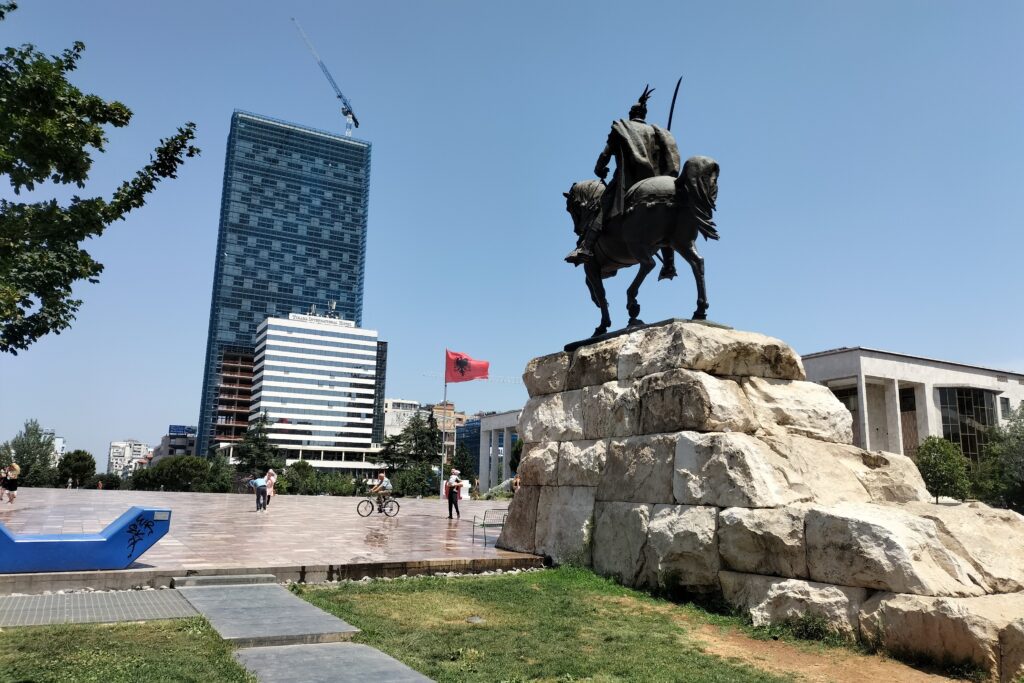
224 532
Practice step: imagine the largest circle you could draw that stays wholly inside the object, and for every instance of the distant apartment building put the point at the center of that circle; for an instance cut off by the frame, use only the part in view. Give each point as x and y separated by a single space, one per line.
127 456
897 400
398 412
320 382
59 445
179 440
292 236
448 420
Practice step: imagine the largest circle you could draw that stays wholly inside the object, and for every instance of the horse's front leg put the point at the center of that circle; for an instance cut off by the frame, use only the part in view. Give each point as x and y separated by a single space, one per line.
597 294
696 261
632 305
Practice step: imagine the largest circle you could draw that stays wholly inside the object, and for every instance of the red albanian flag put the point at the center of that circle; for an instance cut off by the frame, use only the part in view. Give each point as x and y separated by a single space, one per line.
458 367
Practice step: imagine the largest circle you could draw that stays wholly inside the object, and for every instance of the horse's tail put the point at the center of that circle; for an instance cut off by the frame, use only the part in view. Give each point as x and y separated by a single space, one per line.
697 188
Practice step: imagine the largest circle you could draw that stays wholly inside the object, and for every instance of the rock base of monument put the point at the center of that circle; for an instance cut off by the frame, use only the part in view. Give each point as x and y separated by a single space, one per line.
697 458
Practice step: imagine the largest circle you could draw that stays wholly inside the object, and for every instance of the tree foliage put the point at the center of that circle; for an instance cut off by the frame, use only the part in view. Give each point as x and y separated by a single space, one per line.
182 473
33 451
301 478
110 481
78 466
257 453
419 442
943 468
49 130
515 456
999 477
418 479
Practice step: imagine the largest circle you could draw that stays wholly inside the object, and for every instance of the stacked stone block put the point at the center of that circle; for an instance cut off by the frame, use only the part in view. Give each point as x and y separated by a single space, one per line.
692 457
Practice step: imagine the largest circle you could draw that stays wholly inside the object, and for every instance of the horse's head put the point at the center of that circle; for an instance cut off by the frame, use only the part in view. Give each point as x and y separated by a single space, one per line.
583 202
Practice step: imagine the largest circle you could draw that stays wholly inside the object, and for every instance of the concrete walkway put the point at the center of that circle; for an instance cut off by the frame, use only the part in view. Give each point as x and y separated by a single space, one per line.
83 608
284 638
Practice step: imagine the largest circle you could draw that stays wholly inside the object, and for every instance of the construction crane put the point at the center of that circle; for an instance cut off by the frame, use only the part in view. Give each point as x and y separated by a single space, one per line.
346 106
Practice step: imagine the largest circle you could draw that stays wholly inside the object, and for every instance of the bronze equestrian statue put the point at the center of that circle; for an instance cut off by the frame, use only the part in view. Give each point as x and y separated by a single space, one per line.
648 207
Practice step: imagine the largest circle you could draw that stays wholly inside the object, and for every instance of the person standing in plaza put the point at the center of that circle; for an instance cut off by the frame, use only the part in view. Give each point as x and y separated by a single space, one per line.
260 485
271 478
452 488
11 483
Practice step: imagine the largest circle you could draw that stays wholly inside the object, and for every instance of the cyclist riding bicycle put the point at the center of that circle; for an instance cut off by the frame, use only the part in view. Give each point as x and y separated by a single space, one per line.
382 489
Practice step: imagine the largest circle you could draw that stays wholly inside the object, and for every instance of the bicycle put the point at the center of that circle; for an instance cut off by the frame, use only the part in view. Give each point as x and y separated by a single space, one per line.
389 507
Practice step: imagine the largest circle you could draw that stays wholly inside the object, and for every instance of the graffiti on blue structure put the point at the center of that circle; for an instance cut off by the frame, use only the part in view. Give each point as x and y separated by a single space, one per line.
137 531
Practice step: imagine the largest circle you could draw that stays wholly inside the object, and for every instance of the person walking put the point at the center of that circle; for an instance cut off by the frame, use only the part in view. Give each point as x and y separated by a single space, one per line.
260 485
271 478
452 488
11 484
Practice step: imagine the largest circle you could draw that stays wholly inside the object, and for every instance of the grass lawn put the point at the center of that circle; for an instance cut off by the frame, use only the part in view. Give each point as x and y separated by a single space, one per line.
560 625
153 652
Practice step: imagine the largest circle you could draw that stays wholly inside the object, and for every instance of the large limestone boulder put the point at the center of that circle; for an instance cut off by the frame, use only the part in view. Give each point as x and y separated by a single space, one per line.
581 463
1011 647
771 600
992 540
565 521
805 408
620 535
594 364
520 530
733 470
546 374
837 473
707 348
681 551
680 400
539 464
553 417
944 629
885 548
639 469
611 409
763 541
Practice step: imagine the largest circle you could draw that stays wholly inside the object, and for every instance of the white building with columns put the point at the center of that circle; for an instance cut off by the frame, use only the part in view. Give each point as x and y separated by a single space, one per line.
496 437
898 400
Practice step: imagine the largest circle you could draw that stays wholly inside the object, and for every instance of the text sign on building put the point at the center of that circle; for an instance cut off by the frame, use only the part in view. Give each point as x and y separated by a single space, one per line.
340 322
181 430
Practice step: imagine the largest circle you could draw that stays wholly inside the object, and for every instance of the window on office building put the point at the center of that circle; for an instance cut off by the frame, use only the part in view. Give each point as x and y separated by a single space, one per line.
1004 407
966 416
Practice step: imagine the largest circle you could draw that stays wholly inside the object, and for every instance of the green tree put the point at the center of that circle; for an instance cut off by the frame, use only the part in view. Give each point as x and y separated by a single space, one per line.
33 451
418 479
222 476
516 456
110 481
48 132
300 478
257 453
943 468
176 473
78 466
999 477
419 442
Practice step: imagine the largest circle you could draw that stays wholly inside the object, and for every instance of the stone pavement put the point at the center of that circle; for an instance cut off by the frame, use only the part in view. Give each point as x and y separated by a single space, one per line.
306 538
327 663
81 608
265 614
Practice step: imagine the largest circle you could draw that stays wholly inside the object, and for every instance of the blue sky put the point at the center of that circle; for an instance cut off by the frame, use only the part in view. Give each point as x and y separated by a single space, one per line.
872 157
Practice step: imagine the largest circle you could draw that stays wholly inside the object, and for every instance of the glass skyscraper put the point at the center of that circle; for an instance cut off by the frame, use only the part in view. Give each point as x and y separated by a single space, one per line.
292 237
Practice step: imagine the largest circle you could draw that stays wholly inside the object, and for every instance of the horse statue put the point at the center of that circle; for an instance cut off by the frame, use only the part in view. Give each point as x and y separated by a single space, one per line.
662 214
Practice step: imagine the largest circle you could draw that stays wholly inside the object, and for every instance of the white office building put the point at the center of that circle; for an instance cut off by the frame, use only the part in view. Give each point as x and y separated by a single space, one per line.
126 456
398 412
320 382
60 447
898 400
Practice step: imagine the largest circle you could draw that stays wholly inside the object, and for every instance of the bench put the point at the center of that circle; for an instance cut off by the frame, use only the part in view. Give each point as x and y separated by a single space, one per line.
492 518
116 547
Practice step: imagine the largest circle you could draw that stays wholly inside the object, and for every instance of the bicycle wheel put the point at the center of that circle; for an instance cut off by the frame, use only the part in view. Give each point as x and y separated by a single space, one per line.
365 508
391 507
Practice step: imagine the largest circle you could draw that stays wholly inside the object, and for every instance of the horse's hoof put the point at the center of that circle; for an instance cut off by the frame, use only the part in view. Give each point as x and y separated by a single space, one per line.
598 331
699 315
634 322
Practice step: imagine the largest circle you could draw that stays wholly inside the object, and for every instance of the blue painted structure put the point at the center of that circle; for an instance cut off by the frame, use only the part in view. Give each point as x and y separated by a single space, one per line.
116 547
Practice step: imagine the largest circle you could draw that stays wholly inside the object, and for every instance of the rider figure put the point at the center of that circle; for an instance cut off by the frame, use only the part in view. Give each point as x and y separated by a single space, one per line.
641 150
382 489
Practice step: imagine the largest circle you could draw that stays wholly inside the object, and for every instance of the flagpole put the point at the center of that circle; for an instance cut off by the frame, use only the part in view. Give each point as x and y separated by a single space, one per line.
444 432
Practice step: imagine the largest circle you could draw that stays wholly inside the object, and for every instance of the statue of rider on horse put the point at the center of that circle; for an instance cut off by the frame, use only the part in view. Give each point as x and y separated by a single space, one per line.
648 208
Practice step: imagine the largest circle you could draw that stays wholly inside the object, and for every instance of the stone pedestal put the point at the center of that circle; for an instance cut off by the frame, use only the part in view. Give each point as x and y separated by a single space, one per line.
698 458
